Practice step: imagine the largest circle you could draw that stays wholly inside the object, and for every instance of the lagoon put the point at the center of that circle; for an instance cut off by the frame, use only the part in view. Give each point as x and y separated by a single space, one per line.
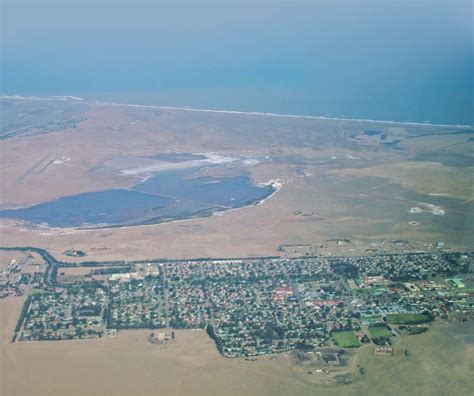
167 196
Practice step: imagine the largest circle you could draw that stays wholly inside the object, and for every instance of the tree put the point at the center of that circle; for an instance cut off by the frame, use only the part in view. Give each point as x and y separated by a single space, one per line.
217 340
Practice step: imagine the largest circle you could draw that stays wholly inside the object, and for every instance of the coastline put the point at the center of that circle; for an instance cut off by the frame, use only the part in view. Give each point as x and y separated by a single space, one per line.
235 112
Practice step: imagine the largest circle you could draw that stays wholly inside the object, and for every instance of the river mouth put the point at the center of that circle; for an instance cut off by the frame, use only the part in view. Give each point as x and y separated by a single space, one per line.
170 188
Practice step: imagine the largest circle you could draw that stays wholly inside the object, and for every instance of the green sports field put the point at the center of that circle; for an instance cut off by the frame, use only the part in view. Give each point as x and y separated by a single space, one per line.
346 339
380 331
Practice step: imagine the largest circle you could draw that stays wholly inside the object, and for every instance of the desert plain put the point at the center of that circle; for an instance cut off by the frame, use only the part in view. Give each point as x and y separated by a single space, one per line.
347 186
340 187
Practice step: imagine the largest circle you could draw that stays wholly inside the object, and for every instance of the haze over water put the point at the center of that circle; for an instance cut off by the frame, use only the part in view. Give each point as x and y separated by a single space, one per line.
400 60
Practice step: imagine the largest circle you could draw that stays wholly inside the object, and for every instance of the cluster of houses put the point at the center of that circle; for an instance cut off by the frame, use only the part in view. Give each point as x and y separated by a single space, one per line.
64 314
14 281
260 306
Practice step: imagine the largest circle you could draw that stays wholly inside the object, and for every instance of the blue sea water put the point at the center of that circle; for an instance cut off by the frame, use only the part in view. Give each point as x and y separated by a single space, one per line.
387 60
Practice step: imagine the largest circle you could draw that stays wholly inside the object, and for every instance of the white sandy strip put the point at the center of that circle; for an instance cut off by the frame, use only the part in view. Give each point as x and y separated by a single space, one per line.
436 210
160 166
58 97
277 184
256 113
252 113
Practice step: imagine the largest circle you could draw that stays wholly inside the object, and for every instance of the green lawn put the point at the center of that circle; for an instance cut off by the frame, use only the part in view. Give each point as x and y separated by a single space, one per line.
71 278
36 292
408 318
380 331
417 330
346 339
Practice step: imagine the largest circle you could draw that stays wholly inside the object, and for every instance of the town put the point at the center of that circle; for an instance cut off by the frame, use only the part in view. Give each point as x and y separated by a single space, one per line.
249 307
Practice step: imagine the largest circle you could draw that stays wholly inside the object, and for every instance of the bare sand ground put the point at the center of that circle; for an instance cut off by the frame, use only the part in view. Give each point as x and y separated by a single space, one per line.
440 362
333 187
6 257
337 208
29 262
130 365
351 187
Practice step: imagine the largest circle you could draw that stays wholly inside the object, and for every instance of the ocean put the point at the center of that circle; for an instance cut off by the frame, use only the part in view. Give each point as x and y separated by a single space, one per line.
408 61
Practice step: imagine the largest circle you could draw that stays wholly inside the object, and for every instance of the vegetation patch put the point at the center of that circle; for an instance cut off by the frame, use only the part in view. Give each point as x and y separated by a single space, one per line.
417 330
346 339
74 253
380 330
408 318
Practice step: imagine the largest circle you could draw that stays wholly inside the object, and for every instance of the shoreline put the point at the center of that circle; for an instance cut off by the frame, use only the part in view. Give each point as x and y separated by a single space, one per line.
235 112
48 230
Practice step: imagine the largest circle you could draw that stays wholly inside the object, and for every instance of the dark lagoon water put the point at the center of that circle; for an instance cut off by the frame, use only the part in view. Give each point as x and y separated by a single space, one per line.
164 197
225 192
